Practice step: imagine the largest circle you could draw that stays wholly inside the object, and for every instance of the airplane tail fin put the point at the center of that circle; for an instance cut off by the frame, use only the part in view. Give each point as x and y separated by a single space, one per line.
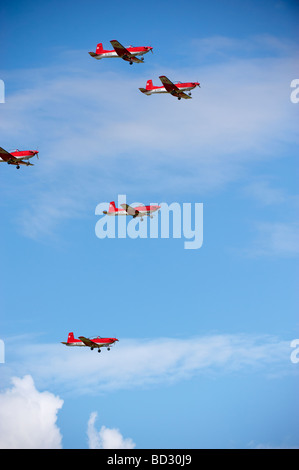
99 48
70 338
112 207
98 51
149 85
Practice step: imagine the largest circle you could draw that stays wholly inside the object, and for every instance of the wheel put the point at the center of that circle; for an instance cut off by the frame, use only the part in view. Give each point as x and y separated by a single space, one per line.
108 349
18 167
99 350
189 94
179 98
91 349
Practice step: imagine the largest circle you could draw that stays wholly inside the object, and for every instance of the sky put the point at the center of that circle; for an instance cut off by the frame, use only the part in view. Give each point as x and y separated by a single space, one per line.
204 358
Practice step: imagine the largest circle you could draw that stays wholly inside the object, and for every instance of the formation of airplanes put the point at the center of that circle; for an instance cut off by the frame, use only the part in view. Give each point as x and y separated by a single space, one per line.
17 157
92 343
22 157
129 54
139 211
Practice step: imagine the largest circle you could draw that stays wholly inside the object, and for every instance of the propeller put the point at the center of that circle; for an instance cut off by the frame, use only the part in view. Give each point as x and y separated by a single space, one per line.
37 154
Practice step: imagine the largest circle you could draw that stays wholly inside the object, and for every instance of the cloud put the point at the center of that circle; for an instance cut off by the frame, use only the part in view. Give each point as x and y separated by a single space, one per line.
106 438
264 194
284 445
147 362
276 239
28 421
224 48
97 134
28 417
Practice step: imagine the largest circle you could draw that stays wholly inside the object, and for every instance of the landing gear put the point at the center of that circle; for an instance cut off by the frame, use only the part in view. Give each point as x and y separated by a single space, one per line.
189 93
131 63
179 98
18 167
99 350
108 349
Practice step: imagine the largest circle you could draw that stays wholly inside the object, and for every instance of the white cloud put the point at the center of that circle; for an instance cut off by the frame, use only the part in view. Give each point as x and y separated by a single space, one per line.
276 239
146 362
284 445
264 193
106 438
28 417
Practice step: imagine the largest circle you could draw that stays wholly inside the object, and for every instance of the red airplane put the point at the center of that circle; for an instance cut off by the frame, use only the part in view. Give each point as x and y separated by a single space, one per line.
133 211
175 89
97 342
129 54
17 157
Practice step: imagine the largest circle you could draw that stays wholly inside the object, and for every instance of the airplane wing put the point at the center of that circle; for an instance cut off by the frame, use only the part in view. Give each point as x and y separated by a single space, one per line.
181 94
88 342
130 210
172 88
122 52
6 156
21 162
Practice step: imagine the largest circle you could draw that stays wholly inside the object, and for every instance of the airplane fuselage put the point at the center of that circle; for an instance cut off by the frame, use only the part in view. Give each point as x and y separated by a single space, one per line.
135 51
17 157
162 89
100 342
142 211
94 343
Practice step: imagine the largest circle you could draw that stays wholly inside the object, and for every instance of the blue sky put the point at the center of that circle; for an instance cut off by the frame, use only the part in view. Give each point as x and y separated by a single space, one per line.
203 359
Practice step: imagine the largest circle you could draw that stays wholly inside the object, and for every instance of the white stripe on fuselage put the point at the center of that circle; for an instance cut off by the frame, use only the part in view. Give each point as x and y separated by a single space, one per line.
140 213
97 345
114 54
163 90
